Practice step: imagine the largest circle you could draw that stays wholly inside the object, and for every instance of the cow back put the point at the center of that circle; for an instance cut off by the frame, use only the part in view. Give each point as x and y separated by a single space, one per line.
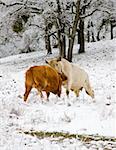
46 78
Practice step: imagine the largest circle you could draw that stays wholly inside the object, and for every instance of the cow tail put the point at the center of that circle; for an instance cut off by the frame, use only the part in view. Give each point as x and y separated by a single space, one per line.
88 88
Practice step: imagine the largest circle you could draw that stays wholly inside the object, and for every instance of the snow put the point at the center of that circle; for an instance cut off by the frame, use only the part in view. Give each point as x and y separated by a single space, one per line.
82 116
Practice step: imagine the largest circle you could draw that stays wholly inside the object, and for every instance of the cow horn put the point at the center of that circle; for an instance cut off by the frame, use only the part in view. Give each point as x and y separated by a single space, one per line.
46 61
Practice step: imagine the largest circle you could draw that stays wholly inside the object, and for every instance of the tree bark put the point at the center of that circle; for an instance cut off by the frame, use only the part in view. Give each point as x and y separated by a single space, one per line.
81 37
93 38
60 32
74 29
100 28
63 51
47 40
88 32
92 33
111 30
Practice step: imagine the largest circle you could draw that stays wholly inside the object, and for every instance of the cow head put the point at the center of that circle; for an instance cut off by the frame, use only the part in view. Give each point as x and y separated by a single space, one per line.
53 60
56 64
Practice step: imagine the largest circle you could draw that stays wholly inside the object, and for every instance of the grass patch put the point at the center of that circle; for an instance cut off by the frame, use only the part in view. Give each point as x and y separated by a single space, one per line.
82 137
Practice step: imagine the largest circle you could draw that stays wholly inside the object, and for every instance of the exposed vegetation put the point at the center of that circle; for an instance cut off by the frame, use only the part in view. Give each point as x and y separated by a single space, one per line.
61 135
18 25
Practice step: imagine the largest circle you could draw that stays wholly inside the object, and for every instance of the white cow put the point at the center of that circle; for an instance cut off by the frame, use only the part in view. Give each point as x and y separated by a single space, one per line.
77 78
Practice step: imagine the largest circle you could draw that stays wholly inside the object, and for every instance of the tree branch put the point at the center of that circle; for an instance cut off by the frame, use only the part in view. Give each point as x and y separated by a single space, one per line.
35 25
14 4
84 16
11 4
36 10
15 11
86 5
2 3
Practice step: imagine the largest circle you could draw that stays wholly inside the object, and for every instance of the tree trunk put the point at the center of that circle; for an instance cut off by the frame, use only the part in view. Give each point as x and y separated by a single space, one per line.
81 36
61 32
111 30
74 29
59 41
88 33
47 41
63 54
63 41
88 36
100 28
98 34
92 32
93 38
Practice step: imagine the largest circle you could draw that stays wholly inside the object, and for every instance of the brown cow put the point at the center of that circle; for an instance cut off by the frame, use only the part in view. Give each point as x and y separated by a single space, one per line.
43 78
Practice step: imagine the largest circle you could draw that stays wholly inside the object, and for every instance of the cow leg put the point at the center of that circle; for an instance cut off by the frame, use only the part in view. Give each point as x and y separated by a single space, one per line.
27 91
68 87
59 88
48 93
40 87
67 92
77 92
40 93
59 93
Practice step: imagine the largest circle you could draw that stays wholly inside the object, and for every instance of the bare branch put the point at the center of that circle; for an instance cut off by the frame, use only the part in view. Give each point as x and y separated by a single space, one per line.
36 10
86 5
14 4
36 25
11 4
2 3
53 34
106 12
84 16
15 11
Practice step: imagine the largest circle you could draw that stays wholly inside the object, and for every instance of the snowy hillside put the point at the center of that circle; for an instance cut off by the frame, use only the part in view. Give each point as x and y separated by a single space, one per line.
82 116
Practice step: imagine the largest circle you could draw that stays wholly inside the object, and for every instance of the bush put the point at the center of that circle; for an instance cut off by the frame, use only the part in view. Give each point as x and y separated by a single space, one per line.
18 25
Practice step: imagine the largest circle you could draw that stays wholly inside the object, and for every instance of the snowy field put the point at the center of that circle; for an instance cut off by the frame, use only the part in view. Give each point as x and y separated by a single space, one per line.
82 116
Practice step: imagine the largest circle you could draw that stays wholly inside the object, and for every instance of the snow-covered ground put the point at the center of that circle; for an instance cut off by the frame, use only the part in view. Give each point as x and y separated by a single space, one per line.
82 116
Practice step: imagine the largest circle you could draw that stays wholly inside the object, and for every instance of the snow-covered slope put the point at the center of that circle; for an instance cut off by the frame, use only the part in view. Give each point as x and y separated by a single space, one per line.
82 116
